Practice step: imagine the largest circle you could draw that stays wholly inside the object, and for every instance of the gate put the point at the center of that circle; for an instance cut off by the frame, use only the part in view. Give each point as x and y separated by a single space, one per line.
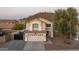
18 36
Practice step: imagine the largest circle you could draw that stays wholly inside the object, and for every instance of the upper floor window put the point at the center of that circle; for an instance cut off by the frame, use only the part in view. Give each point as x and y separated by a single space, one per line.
35 26
48 25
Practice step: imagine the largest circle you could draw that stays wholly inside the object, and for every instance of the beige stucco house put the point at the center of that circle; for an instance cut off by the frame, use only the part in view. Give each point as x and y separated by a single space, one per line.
38 27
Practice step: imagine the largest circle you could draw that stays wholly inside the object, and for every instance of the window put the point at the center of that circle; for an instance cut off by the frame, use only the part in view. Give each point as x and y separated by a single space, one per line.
48 25
35 26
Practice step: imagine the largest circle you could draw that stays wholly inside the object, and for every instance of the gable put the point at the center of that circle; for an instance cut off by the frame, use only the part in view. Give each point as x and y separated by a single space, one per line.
46 21
40 20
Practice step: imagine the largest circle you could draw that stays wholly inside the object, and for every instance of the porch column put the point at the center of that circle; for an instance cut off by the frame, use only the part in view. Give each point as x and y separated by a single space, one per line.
12 36
26 37
52 30
77 33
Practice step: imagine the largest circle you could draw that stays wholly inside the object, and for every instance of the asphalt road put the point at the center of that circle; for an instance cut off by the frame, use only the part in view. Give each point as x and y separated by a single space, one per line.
14 45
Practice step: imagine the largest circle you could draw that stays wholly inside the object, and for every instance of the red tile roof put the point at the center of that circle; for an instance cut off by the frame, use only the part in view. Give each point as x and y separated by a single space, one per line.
45 15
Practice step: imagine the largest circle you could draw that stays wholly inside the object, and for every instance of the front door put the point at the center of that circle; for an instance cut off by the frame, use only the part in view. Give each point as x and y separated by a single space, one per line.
47 34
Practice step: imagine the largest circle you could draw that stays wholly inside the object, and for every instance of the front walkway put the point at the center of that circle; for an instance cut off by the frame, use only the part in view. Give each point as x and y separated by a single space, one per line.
34 46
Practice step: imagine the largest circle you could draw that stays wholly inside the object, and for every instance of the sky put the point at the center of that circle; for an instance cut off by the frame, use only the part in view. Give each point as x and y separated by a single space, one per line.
23 12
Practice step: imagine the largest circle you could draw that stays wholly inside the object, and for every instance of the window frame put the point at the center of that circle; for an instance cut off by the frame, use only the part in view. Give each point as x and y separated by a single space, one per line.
35 26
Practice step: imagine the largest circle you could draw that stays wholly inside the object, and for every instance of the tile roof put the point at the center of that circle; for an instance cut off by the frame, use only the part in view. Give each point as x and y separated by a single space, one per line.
45 15
7 20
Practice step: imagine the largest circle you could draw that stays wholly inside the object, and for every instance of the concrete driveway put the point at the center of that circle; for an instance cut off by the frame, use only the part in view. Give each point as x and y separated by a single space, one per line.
20 45
34 46
14 45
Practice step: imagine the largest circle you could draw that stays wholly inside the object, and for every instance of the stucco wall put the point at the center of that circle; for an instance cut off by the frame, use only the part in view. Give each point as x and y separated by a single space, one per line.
41 25
5 38
6 25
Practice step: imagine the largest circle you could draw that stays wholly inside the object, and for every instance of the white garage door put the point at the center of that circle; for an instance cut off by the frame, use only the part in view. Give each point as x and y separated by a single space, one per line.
35 37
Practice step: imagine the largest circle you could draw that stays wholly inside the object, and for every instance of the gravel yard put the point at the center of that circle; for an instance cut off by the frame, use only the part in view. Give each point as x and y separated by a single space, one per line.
58 44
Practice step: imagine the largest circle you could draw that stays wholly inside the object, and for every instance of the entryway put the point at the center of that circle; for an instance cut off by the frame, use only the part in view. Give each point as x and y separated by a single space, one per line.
47 33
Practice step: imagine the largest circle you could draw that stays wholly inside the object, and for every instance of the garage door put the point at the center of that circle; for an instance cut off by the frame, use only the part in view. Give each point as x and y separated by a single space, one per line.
35 37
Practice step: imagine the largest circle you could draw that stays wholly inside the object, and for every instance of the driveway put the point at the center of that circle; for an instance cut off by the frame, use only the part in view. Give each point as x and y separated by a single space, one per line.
34 46
14 45
20 45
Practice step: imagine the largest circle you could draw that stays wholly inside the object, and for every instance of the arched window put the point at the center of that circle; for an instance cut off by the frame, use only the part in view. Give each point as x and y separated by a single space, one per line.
35 26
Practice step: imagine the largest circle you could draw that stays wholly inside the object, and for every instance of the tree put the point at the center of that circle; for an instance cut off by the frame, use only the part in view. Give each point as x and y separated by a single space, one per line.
72 19
66 21
60 24
19 27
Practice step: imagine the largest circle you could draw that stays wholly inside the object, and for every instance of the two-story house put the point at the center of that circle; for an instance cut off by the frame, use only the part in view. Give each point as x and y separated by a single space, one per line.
39 27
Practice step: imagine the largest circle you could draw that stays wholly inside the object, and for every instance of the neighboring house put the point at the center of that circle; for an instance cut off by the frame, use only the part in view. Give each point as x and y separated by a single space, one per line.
39 27
6 24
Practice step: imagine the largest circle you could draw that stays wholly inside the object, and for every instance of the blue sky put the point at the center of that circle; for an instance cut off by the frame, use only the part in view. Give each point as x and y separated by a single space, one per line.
21 12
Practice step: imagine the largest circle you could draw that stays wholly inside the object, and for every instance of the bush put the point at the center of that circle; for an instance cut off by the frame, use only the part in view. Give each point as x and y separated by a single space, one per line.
19 27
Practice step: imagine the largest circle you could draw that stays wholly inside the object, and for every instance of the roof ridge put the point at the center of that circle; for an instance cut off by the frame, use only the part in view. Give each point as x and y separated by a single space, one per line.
46 15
